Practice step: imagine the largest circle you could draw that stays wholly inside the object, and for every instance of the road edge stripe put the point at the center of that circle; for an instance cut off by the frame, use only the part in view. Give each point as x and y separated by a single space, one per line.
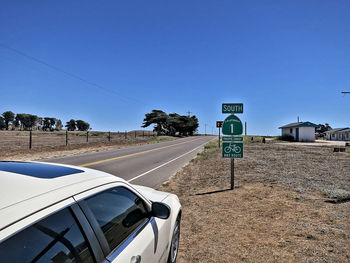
155 168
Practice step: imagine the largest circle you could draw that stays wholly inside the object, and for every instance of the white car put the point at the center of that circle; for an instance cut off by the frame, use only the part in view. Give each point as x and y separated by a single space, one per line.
61 213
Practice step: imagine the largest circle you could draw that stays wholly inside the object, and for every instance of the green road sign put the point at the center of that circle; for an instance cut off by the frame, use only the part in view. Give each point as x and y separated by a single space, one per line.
232 150
232 108
232 126
232 139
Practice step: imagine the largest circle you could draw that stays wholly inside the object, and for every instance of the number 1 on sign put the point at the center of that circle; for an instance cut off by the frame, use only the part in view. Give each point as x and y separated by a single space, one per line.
232 128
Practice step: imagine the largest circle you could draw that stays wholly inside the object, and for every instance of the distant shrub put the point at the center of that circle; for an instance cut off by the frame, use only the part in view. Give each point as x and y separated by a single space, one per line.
338 194
286 137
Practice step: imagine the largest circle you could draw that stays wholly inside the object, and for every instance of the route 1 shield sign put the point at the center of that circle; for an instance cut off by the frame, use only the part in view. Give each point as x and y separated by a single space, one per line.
232 126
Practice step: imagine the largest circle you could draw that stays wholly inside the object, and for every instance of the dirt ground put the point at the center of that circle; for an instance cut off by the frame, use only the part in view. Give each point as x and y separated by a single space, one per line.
317 143
290 204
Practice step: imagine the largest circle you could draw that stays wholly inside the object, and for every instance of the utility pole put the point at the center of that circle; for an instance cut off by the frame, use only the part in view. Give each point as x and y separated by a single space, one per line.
189 113
205 129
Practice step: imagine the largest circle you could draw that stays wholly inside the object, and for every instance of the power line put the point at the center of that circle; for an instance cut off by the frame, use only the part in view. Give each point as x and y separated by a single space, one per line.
67 73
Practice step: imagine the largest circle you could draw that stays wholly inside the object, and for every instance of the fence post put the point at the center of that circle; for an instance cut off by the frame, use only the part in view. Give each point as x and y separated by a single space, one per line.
30 139
66 137
87 136
109 136
126 135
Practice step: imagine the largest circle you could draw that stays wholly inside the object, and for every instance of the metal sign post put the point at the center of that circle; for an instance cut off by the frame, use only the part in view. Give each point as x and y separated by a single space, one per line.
232 173
219 125
232 146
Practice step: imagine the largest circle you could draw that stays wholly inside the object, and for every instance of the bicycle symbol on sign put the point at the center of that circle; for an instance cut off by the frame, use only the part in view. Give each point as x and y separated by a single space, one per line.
232 148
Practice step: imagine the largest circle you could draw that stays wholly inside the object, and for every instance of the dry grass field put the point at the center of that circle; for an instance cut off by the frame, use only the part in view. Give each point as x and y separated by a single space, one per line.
15 144
290 205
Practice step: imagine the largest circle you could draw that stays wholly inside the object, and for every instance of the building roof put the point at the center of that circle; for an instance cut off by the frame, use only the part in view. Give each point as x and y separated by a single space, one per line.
299 124
347 129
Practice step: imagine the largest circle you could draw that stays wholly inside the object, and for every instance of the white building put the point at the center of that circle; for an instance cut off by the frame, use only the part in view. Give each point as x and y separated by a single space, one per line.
338 134
301 131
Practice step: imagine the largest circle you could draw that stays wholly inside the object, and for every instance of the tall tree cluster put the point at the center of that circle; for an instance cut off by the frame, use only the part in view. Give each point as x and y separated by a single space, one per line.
25 121
171 124
72 125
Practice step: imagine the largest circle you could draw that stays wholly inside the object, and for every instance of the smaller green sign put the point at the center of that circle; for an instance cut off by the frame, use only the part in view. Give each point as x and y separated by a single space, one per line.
232 150
232 108
232 139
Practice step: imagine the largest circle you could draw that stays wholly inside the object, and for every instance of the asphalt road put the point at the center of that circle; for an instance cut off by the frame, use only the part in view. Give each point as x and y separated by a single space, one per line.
148 165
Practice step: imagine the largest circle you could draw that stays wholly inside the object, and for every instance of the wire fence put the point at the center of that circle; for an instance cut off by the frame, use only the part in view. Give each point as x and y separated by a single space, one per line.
11 141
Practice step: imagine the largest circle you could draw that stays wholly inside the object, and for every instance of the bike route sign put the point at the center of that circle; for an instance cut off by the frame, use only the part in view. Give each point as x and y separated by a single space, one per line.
232 150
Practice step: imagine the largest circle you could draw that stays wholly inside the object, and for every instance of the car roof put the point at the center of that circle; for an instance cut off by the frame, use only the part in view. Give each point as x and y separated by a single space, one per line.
26 187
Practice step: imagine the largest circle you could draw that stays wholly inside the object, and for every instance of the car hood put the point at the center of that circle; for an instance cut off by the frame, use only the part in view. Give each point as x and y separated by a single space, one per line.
151 194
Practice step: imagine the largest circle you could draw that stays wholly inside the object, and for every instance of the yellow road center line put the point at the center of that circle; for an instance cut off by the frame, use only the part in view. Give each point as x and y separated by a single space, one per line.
134 154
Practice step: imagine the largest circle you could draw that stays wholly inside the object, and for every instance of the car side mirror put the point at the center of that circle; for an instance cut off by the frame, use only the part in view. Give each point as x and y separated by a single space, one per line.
160 210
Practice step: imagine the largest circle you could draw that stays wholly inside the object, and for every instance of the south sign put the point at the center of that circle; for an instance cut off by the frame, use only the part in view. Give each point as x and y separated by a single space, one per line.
232 108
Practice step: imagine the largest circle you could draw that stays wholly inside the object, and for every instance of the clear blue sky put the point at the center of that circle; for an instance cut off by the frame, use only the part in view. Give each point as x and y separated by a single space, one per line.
282 59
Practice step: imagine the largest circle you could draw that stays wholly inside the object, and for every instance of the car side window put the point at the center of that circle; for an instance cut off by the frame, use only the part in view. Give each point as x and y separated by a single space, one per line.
118 212
57 238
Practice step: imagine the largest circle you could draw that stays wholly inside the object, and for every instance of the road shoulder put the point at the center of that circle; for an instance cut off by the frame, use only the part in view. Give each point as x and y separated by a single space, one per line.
275 214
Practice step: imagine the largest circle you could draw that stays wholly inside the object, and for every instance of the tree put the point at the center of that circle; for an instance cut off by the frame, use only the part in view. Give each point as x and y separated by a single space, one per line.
71 125
16 121
82 125
171 124
192 125
184 125
19 120
321 129
159 118
8 116
59 125
28 121
48 123
40 123
2 123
